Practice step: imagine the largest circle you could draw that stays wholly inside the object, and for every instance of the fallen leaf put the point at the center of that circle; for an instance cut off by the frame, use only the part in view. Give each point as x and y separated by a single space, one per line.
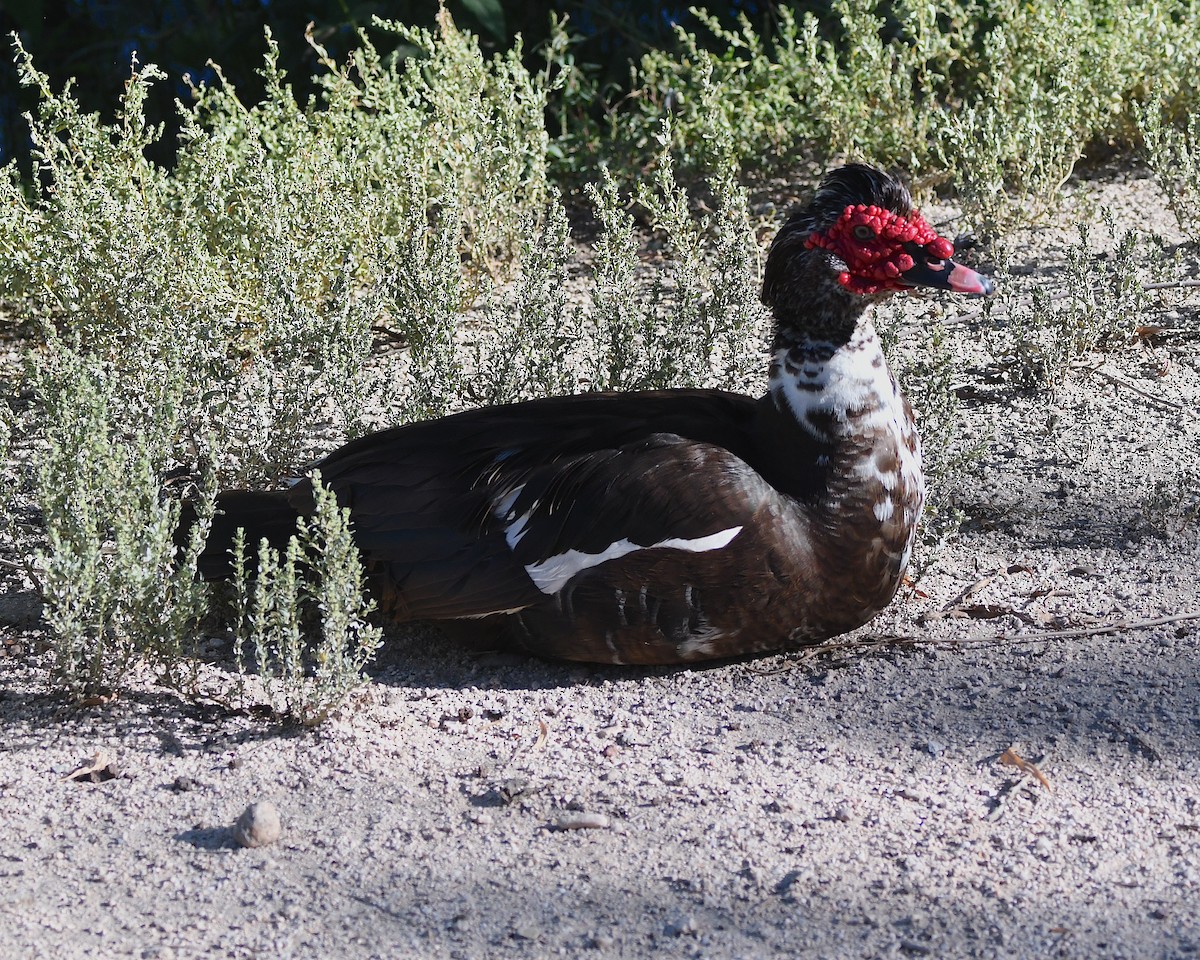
986 611
1011 758
97 770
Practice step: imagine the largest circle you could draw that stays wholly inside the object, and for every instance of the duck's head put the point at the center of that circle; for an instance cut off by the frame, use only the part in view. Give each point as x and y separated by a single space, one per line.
861 230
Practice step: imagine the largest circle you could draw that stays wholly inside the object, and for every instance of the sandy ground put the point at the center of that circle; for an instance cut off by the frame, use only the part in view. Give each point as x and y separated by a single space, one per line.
864 802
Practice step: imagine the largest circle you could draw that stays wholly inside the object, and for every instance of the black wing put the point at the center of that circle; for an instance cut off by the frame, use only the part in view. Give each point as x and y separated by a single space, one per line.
451 515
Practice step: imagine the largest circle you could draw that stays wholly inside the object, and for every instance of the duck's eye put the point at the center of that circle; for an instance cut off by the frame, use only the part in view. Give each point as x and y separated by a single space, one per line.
863 232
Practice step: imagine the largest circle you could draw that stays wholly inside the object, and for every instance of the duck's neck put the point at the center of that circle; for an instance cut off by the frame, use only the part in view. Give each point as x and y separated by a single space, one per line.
845 442
834 386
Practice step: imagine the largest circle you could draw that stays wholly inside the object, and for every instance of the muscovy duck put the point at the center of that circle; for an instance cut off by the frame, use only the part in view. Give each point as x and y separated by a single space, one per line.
666 526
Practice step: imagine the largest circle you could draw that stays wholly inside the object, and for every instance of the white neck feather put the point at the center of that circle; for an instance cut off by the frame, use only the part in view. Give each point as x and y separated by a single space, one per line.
833 390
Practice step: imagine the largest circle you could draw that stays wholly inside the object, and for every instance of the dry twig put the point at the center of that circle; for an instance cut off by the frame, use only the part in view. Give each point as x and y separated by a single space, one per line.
1096 630
1171 285
1121 382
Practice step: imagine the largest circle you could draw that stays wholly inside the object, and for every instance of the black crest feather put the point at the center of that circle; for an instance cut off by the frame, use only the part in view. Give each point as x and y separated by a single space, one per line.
853 184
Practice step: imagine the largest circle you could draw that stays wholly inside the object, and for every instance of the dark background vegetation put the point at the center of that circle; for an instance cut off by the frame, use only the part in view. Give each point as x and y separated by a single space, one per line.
92 41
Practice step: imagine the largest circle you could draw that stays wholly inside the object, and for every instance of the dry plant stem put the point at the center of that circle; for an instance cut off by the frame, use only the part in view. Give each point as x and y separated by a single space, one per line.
863 644
972 590
1061 295
1120 382
1098 630
1171 285
1000 311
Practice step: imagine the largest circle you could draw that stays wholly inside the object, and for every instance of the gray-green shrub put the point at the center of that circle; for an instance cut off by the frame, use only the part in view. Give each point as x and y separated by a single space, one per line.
714 330
1173 152
1042 334
225 313
116 594
999 97
305 671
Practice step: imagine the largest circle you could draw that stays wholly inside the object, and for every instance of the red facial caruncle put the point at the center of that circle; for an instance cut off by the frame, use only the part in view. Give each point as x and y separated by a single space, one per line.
872 241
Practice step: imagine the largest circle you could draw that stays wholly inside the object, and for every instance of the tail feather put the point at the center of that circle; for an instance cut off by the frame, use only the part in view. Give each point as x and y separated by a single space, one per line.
261 513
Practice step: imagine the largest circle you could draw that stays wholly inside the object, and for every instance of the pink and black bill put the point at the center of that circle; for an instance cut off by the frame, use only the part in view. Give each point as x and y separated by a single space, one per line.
945 274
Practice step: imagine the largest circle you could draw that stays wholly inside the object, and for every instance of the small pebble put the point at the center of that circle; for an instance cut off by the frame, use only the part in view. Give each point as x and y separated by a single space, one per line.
935 748
258 826
515 787
582 821
525 930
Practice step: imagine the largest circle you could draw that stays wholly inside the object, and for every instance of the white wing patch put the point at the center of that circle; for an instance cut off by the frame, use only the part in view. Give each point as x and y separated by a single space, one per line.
515 527
551 575
503 507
